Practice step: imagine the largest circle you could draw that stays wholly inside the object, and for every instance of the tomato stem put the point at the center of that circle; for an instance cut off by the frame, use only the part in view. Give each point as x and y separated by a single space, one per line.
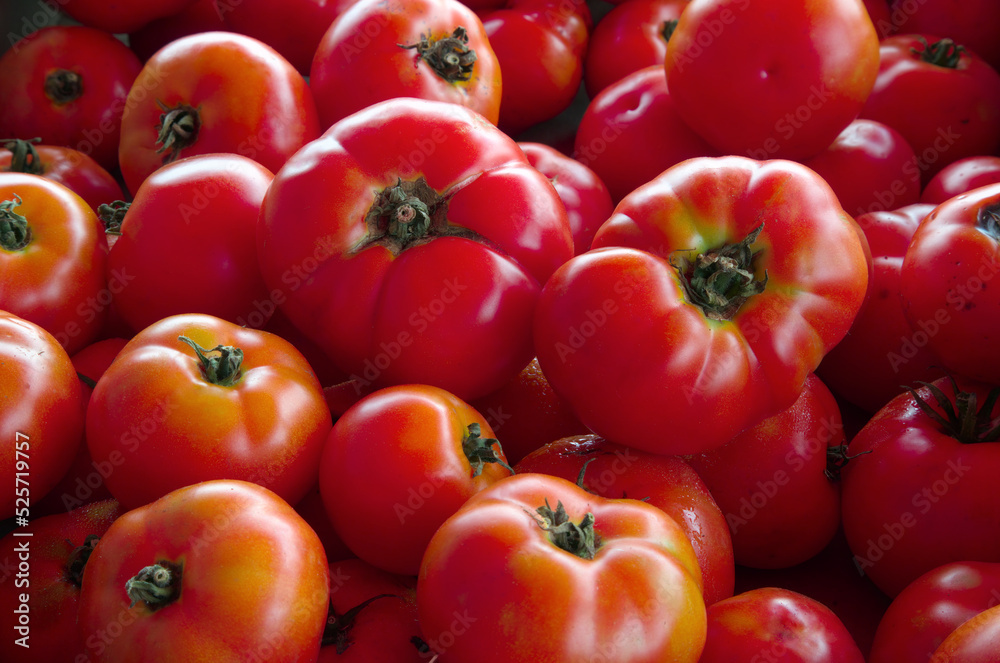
112 215
14 231
836 459
577 539
337 631
157 585
178 129
479 450
78 559
63 86
943 53
223 369
24 156
963 418
450 57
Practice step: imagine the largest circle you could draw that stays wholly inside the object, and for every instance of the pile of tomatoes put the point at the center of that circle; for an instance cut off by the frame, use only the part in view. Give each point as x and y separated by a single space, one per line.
505 330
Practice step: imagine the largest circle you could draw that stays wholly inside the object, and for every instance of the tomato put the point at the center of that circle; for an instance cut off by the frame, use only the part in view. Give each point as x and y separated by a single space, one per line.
382 49
796 73
774 482
196 216
587 200
215 92
42 598
313 512
871 168
630 132
666 482
944 283
771 624
226 568
120 16
975 641
52 258
670 315
434 279
921 497
40 411
969 22
193 397
398 463
961 176
198 16
958 95
931 607
882 354
541 570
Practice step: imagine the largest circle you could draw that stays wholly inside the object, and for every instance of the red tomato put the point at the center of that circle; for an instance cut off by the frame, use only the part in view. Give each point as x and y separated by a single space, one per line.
630 133
957 93
969 22
193 398
772 624
215 92
52 258
961 176
922 496
40 407
120 16
666 482
975 641
544 571
434 281
198 16
688 308
41 599
795 72
382 49
68 85
214 558
944 283
775 484
197 218
397 464
931 607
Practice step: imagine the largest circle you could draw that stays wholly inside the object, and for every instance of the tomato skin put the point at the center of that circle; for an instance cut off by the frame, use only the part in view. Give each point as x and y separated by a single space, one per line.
666 482
931 607
249 100
74 170
974 641
813 62
943 282
361 52
617 337
89 118
40 404
493 565
56 278
960 177
198 214
776 624
250 567
199 16
969 23
406 442
155 405
115 17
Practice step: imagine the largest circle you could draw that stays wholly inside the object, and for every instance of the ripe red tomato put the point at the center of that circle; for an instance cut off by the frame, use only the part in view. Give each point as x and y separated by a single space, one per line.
707 299
544 571
215 92
434 279
222 567
199 16
382 49
120 16
193 398
796 73
974 641
960 177
969 22
74 170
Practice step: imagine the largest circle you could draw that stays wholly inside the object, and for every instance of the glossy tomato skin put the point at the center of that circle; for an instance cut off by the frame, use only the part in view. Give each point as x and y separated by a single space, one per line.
944 283
249 567
68 86
974 641
120 16
56 553
197 215
159 406
248 100
71 168
362 51
777 624
931 607
882 354
619 338
395 467
960 177
666 482
52 271
40 404
630 133
920 498
968 23
770 482
959 101
451 308
493 564
797 73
